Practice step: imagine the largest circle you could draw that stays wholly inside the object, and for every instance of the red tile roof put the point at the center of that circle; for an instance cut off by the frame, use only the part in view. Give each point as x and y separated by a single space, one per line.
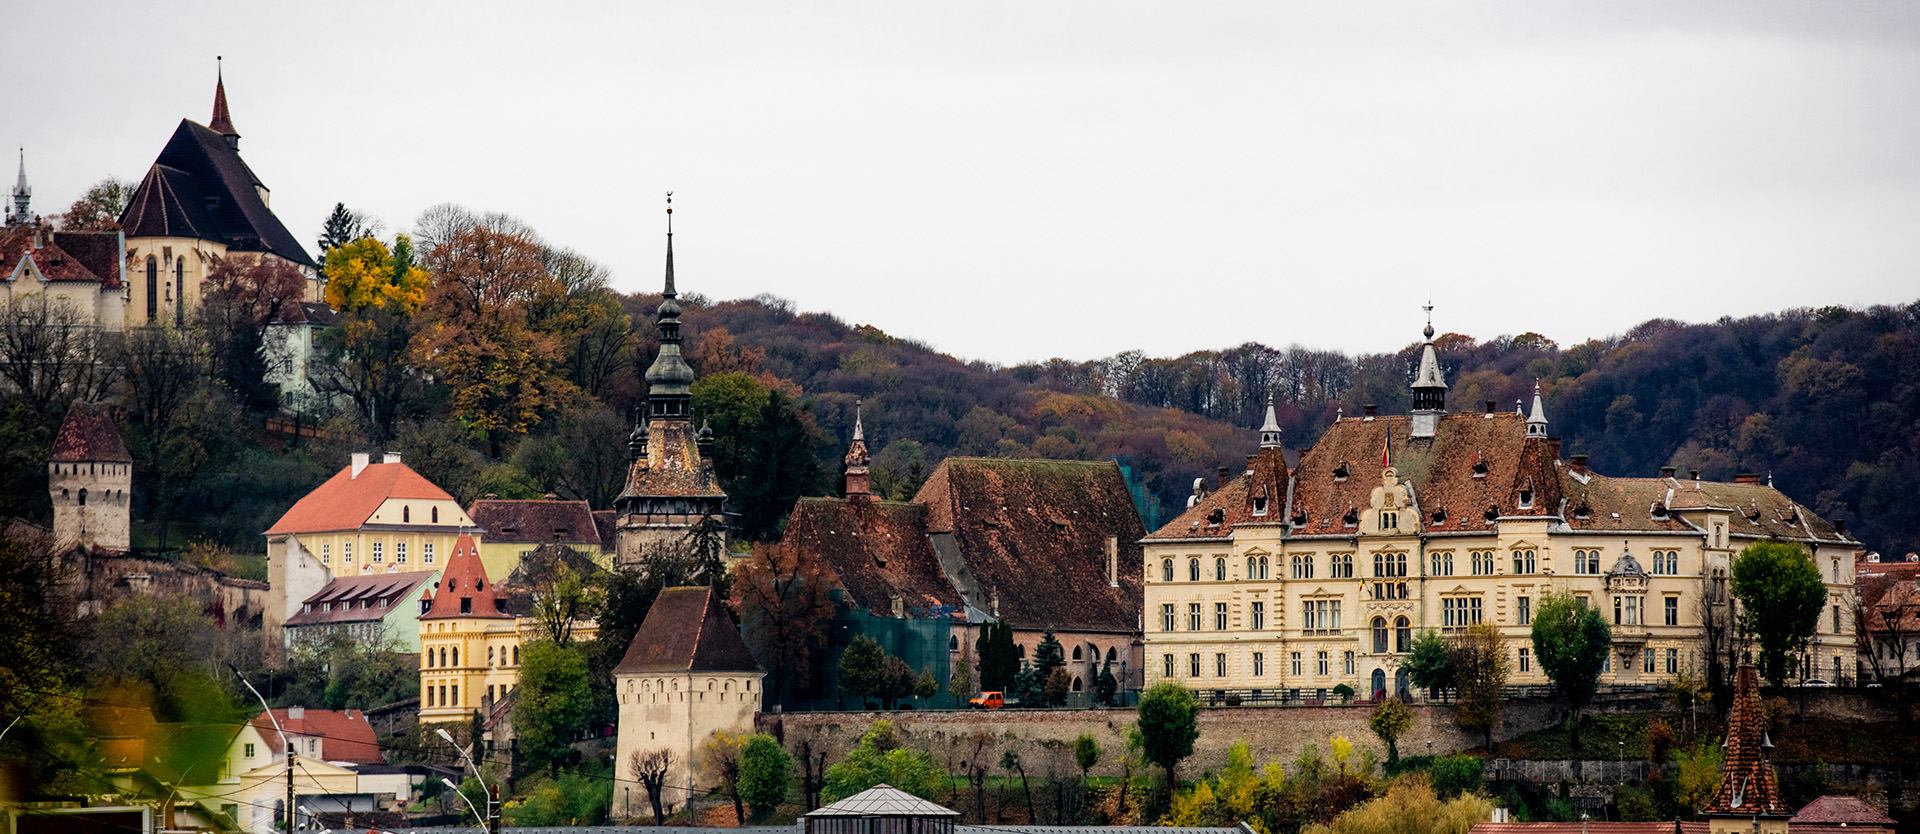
1035 533
1747 783
345 502
673 467
877 550
1840 810
82 257
687 630
465 578
345 735
352 599
536 521
88 434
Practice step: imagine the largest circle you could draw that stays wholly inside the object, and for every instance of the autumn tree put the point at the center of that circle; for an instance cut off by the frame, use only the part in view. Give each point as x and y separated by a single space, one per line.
781 596
719 759
649 768
366 355
1391 720
245 294
1781 594
479 339
99 209
1479 659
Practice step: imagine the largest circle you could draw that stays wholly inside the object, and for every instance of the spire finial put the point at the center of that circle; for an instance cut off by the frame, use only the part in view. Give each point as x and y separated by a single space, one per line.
222 121
859 432
1537 421
670 293
1429 308
1270 430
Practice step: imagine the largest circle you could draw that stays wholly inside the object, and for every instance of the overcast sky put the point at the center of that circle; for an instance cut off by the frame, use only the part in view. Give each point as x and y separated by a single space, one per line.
1014 181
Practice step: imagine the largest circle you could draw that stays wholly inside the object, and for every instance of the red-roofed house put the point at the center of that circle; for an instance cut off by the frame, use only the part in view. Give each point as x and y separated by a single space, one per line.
76 275
368 518
379 607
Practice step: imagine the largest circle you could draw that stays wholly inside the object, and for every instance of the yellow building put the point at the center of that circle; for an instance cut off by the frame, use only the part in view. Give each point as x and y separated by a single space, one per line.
368 518
1288 581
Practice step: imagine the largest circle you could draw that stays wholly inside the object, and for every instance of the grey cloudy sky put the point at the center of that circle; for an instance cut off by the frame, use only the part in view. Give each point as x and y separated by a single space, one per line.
1013 181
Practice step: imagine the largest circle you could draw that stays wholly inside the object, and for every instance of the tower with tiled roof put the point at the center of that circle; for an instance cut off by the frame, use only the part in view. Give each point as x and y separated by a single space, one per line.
671 487
89 476
686 675
1748 799
1429 387
469 641
222 122
857 460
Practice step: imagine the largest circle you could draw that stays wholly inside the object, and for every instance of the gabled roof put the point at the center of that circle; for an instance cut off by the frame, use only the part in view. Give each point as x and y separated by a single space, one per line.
88 434
199 187
535 521
357 598
1034 533
61 257
673 467
1840 810
345 735
687 630
1760 511
346 501
465 578
877 550
883 800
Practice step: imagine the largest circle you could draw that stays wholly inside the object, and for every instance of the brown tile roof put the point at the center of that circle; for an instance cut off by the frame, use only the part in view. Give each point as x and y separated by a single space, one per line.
1840 810
102 253
1216 515
1592 827
1596 503
354 599
1760 511
687 630
55 261
673 467
201 188
535 521
603 521
1475 465
877 550
88 434
1747 783
1035 532
345 735
345 501
465 578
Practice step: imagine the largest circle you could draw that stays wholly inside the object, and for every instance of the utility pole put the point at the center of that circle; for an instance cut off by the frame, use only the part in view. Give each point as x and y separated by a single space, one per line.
493 806
284 739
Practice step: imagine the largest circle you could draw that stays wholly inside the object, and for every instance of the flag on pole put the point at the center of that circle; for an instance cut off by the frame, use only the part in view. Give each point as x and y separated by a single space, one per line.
1386 452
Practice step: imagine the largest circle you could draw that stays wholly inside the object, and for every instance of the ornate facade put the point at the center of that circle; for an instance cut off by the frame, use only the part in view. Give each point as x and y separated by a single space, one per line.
1293 580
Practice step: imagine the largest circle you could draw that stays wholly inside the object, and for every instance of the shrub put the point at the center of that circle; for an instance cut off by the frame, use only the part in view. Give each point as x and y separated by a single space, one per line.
1455 775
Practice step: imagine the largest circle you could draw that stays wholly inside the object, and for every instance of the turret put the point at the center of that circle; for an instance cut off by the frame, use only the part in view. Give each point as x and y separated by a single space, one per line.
857 488
1537 421
1270 430
1429 387
670 378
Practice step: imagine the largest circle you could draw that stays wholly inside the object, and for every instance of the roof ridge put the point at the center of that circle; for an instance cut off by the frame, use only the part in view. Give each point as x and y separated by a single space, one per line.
699 631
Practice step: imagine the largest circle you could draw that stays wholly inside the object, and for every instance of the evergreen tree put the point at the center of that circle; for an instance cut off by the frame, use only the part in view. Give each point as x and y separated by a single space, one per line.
342 227
999 658
1108 686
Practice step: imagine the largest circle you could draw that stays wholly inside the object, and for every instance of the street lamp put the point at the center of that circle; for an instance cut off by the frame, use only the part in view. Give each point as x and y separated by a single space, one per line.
312 819
463 798
488 819
284 738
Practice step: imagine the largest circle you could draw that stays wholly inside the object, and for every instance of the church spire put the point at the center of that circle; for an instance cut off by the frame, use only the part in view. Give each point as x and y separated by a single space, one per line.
1270 430
22 194
222 122
857 489
1537 421
1429 387
669 379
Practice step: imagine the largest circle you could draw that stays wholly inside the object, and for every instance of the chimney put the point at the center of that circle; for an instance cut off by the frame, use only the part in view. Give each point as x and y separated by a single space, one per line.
1113 560
1223 476
1579 463
1667 471
899 607
296 713
360 460
1371 410
390 457
1840 526
1553 445
1747 478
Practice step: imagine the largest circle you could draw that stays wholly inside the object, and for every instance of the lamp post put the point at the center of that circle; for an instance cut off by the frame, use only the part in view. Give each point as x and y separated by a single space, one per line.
463 798
284 739
492 797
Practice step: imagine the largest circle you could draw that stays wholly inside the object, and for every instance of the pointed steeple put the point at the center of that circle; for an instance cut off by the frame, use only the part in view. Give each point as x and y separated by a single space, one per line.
1537 421
22 193
1270 430
669 379
1429 387
222 122
463 589
857 489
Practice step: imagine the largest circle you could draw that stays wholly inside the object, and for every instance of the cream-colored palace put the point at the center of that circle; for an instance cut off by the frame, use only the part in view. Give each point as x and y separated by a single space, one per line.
1293 581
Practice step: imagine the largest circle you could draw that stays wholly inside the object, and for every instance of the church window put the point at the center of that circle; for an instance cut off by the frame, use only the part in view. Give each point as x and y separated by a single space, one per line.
1076 652
433 515
153 289
456 655
180 288
516 655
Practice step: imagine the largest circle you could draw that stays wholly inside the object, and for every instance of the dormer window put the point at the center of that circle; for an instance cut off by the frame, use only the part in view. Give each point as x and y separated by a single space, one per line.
1440 516
1260 505
1526 499
1215 518
1582 512
1493 511
1340 472
1479 468
1352 518
1659 511
1300 519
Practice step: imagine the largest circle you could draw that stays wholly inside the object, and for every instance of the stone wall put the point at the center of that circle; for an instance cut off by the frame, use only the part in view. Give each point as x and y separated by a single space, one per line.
1044 738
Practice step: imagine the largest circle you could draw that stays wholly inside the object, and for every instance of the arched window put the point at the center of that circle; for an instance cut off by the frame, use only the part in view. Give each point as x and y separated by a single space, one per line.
180 292
1220 570
153 289
456 655
83 497
406 514
433 515
429 660
1263 567
1166 570
1110 654
516 655
1402 635
1193 570
1076 652
1076 678
953 644
1253 566
1379 635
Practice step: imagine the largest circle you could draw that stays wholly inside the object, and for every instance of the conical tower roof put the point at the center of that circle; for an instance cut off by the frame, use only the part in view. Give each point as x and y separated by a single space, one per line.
1537 421
1748 786
463 589
222 122
1270 430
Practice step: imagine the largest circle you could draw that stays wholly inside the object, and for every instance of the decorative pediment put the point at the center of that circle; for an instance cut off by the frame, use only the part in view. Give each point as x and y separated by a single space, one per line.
1524 544
1256 551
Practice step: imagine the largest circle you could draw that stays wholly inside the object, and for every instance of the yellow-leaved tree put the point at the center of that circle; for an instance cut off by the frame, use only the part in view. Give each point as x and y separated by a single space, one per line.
365 274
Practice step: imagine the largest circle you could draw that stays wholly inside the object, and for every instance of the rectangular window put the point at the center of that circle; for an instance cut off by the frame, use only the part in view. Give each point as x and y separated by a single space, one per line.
1673 661
1672 611
1633 610
1346 664
346 551
1220 665
1523 610
326 554
1321 665
1257 615
1526 659
426 552
376 552
249 750
400 552
1646 661
1459 612
1166 619
1259 664
1169 661
1320 615
1473 611
1193 616
454 693
1193 665
1836 619
1219 616
1295 662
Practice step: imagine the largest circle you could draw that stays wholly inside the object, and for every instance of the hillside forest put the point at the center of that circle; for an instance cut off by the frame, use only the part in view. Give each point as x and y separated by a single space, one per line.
498 363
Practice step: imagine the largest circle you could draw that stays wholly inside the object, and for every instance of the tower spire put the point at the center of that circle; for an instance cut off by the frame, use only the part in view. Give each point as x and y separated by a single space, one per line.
1429 387
857 489
22 194
1537 421
669 379
222 122
1270 430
